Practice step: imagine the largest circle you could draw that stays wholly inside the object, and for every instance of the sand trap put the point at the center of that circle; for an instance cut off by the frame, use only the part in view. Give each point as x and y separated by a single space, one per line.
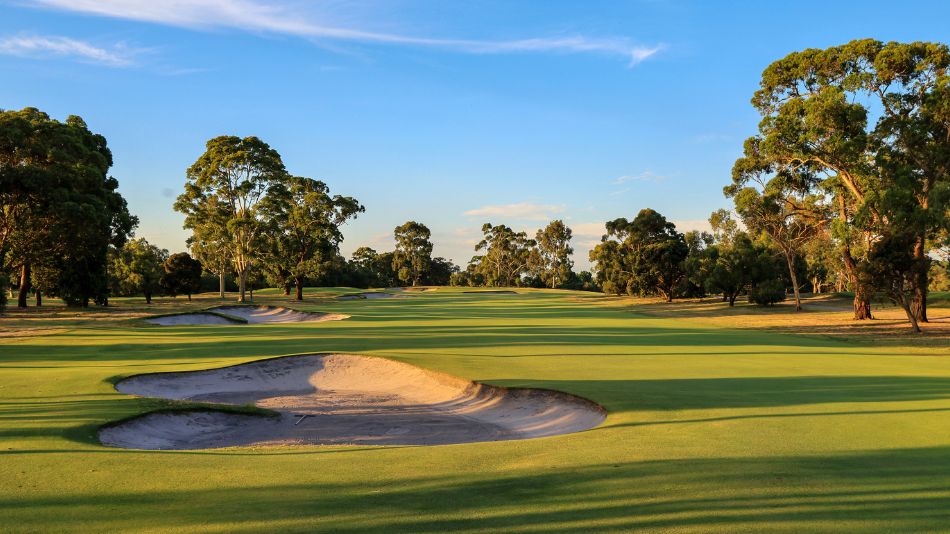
348 399
370 296
250 314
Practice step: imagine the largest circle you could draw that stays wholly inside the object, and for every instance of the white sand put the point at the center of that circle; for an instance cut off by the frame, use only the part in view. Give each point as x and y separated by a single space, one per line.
348 399
376 295
252 314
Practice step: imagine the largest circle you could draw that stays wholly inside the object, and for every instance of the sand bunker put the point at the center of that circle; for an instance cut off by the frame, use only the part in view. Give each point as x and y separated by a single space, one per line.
343 399
370 296
245 315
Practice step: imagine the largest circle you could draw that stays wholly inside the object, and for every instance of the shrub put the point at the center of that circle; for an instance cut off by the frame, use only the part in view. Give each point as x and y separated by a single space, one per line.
767 293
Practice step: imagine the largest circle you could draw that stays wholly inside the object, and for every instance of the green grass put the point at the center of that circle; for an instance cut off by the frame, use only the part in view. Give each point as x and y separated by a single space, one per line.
709 429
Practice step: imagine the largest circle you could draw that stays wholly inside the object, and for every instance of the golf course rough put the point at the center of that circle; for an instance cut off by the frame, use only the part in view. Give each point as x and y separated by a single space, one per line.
342 399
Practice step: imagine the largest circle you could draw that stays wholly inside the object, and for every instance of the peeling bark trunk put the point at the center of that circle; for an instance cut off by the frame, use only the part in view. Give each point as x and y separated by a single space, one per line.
242 282
221 283
920 280
910 314
24 285
790 259
862 301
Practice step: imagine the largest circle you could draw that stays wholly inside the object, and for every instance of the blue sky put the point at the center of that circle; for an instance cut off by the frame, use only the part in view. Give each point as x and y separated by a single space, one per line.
448 113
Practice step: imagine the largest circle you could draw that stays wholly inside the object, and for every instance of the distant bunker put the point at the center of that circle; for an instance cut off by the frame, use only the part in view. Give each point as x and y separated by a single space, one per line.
234 315
341 399
370 296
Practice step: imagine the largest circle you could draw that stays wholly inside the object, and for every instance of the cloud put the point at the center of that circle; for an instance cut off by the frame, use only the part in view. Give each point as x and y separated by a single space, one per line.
589 230
701 225
256 16
645 176
66 47
520 210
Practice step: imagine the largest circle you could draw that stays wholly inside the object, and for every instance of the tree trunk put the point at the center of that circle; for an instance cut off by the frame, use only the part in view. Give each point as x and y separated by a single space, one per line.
790 259
221 283
39 298
24 285
862 301
299 283
910 314
732 299
242 282
862 304
148 297
287 289
189 297
920 280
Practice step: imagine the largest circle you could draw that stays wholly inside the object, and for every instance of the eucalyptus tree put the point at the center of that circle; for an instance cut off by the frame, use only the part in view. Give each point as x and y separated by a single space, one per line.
506 257
181 275
642 256
412 258
59 208
816 135
554 249
138 268
225 189
302 230
790 223
739 266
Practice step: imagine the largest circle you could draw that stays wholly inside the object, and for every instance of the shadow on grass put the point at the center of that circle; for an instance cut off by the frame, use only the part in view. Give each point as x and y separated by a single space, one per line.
872 491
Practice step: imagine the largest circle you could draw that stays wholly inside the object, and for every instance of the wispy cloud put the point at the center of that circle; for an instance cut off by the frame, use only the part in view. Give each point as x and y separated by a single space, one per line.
520 210
257 16
65 47
646 176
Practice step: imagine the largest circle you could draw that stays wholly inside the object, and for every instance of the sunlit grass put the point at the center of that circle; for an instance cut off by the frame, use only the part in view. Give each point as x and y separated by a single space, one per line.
719 420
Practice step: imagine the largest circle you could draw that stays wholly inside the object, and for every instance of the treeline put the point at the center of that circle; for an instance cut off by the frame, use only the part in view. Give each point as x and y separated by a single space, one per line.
61 211
854 149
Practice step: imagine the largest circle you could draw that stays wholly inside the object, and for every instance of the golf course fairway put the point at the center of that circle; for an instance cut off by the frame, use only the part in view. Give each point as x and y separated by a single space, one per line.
709 428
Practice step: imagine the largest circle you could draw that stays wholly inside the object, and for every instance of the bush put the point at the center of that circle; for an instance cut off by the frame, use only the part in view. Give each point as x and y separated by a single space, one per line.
767 293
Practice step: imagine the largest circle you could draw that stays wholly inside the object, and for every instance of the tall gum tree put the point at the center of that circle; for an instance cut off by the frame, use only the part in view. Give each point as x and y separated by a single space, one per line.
413 255
225 188
554 249
816 106
303 229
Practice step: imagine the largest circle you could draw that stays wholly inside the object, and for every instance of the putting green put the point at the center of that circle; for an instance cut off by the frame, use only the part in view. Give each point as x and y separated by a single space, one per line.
709 429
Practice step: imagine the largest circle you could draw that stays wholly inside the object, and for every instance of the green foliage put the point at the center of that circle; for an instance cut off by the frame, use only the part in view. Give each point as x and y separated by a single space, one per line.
138 268
740 266
60 209
767 293
181 275
301 236
553 254
816 142
506 259
223 195
413 255
643 256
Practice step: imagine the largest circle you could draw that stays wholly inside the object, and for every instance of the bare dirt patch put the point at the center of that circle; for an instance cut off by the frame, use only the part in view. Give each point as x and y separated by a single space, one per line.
343 399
